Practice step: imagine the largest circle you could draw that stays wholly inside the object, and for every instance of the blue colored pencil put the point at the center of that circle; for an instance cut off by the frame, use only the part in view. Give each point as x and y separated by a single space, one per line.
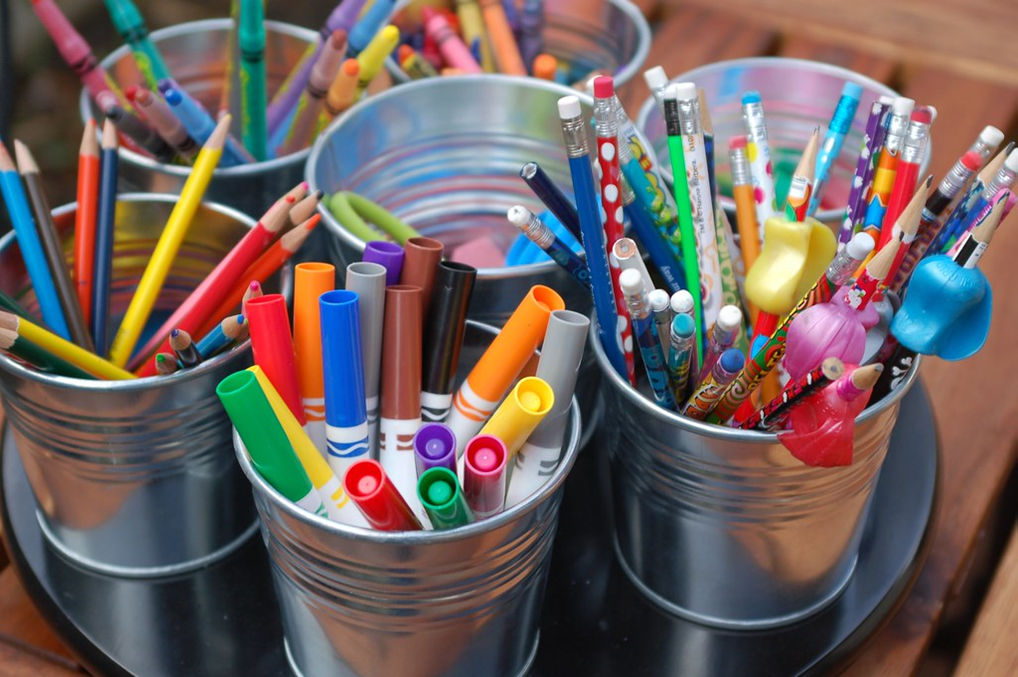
31 246
645 332
222 335
541 235
104 227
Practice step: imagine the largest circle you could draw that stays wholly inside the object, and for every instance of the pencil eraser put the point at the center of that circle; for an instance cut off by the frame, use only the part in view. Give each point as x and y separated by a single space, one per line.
630 281
172 96
518 215
604 87
922 114
860 246
752 96
569 107
852 89
972 160
655 78
732 360
684 91
729 318
1011 163
902 106
886 100
682 301
738 141
658 299
991 136
683 325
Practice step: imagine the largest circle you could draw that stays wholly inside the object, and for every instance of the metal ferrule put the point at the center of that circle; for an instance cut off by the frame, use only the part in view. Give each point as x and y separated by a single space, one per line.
606 118
637 303
574 132
740 167
753 117
537 232
671 108
841 268
689 116
897 126
914 146
956 179
1003 179
628 196
984 149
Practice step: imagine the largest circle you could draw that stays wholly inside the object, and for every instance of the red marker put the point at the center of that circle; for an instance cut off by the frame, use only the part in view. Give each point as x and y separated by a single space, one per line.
272 345
484 475
376 497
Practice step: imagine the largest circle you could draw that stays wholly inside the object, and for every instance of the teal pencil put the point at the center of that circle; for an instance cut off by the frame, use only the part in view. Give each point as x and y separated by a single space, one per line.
253 96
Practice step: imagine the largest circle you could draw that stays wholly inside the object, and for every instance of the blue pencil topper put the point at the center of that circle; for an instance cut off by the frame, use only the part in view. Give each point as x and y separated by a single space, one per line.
946 311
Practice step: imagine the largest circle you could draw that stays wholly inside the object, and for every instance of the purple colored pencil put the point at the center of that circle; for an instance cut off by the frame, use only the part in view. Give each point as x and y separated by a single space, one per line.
872 142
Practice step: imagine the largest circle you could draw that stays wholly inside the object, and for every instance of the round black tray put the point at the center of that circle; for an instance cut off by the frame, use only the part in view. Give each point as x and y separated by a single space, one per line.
224 620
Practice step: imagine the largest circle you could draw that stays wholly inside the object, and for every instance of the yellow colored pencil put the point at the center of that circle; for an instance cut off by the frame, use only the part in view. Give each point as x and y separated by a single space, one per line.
76 355
169 242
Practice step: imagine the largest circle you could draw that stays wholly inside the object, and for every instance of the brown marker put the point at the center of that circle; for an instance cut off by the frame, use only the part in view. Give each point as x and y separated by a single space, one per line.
401 388
420 266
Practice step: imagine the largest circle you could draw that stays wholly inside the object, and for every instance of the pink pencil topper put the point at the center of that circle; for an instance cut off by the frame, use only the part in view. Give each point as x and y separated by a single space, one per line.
822 331
823 429
869 316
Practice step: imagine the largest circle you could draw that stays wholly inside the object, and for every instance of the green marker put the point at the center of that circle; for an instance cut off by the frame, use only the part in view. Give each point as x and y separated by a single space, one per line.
687 238
128 22
253 97
267 444
440 494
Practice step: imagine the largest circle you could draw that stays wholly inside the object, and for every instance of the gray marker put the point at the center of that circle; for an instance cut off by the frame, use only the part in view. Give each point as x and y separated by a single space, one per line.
368 281
559 366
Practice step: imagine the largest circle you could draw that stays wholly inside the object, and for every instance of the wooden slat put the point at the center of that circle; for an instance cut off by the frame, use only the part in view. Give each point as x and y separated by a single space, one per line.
22 625
876 67
976 405
692 37
991 648
970 37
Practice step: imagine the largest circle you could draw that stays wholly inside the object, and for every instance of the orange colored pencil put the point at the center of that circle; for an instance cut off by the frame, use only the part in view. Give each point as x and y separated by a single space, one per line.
85 219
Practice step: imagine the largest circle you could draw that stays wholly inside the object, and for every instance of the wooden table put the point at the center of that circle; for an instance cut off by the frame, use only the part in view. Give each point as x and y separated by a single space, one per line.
955 55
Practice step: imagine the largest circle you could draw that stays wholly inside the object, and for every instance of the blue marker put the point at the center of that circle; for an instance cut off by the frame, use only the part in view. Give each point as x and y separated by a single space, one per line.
645 333
837 132
346 416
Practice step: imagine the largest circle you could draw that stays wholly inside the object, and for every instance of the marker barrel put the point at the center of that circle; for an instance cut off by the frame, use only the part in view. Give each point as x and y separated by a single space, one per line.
389 255
310 281
484 477
367 280
376 496
434 447
438 489
444 326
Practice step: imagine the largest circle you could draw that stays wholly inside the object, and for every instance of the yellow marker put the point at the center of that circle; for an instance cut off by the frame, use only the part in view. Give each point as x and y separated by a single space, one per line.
328 486
373 57
76 355
520 412
169 242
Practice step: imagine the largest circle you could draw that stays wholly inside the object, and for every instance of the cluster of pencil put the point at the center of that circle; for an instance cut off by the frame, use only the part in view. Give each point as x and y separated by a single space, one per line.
351 412
75 337
708 340
158 117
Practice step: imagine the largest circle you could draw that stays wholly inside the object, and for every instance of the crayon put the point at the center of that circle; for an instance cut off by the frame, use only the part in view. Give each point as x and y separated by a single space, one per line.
251 38
503 42
309 106
131 27
454 52
472 27
372 58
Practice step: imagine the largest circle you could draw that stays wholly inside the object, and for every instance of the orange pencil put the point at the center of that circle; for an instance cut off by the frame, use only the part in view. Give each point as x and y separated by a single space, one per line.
85 219
310 281
501 363
503 44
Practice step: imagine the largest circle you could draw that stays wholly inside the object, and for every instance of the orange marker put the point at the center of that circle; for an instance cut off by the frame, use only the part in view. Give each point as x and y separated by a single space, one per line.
545 66
311 280
503 44
501 363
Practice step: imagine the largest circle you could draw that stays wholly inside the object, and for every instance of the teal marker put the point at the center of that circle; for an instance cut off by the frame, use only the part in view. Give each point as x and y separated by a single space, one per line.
253 97
128 22
440 494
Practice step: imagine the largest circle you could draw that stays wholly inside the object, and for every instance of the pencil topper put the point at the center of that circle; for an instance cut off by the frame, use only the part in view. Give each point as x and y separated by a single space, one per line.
946 311
822 331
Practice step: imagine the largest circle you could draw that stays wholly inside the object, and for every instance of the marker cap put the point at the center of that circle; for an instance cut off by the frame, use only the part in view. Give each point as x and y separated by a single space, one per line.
376 496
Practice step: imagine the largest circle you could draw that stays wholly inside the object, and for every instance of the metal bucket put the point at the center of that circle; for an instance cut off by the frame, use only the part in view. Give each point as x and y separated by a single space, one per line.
457 603
614 36
798 95
133 478
725 527
445 156
196 54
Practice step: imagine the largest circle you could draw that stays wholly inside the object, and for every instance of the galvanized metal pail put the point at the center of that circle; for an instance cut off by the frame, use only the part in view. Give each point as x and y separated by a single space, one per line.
457 603
133 478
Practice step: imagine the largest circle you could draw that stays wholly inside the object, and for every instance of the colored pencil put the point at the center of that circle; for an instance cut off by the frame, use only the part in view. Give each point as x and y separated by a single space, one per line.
801 189
85 219
102 266
184 348
42 360
230 330
63 348
166 364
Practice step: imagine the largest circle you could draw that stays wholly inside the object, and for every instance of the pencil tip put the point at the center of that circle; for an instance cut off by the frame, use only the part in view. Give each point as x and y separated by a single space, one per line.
217 139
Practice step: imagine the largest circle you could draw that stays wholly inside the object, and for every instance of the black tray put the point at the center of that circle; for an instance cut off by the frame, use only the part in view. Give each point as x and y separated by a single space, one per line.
223 620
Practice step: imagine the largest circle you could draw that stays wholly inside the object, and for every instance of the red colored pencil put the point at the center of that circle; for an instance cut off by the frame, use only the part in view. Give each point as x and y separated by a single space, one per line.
196 309
272 345
85 219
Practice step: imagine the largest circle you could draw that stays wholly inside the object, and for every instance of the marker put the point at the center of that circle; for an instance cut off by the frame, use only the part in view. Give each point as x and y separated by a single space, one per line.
443 337
421 256
559 367
521 411
272 346
310 282
387 254
401 388
501 363
378 499
346 420
438 490
434 447
367 280
266 443
166 123
484 479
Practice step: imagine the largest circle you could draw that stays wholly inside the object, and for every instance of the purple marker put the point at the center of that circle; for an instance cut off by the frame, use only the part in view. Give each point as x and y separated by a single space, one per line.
389 255
484 475
434 446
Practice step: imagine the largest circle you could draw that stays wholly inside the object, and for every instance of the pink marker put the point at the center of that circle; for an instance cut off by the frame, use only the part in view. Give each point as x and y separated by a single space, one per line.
454 51
484 475
76 52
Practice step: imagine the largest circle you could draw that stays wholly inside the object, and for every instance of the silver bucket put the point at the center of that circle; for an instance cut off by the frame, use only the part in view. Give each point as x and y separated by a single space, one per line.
725 527
445 156
457 603
613 36
798 95
133 478
196 54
